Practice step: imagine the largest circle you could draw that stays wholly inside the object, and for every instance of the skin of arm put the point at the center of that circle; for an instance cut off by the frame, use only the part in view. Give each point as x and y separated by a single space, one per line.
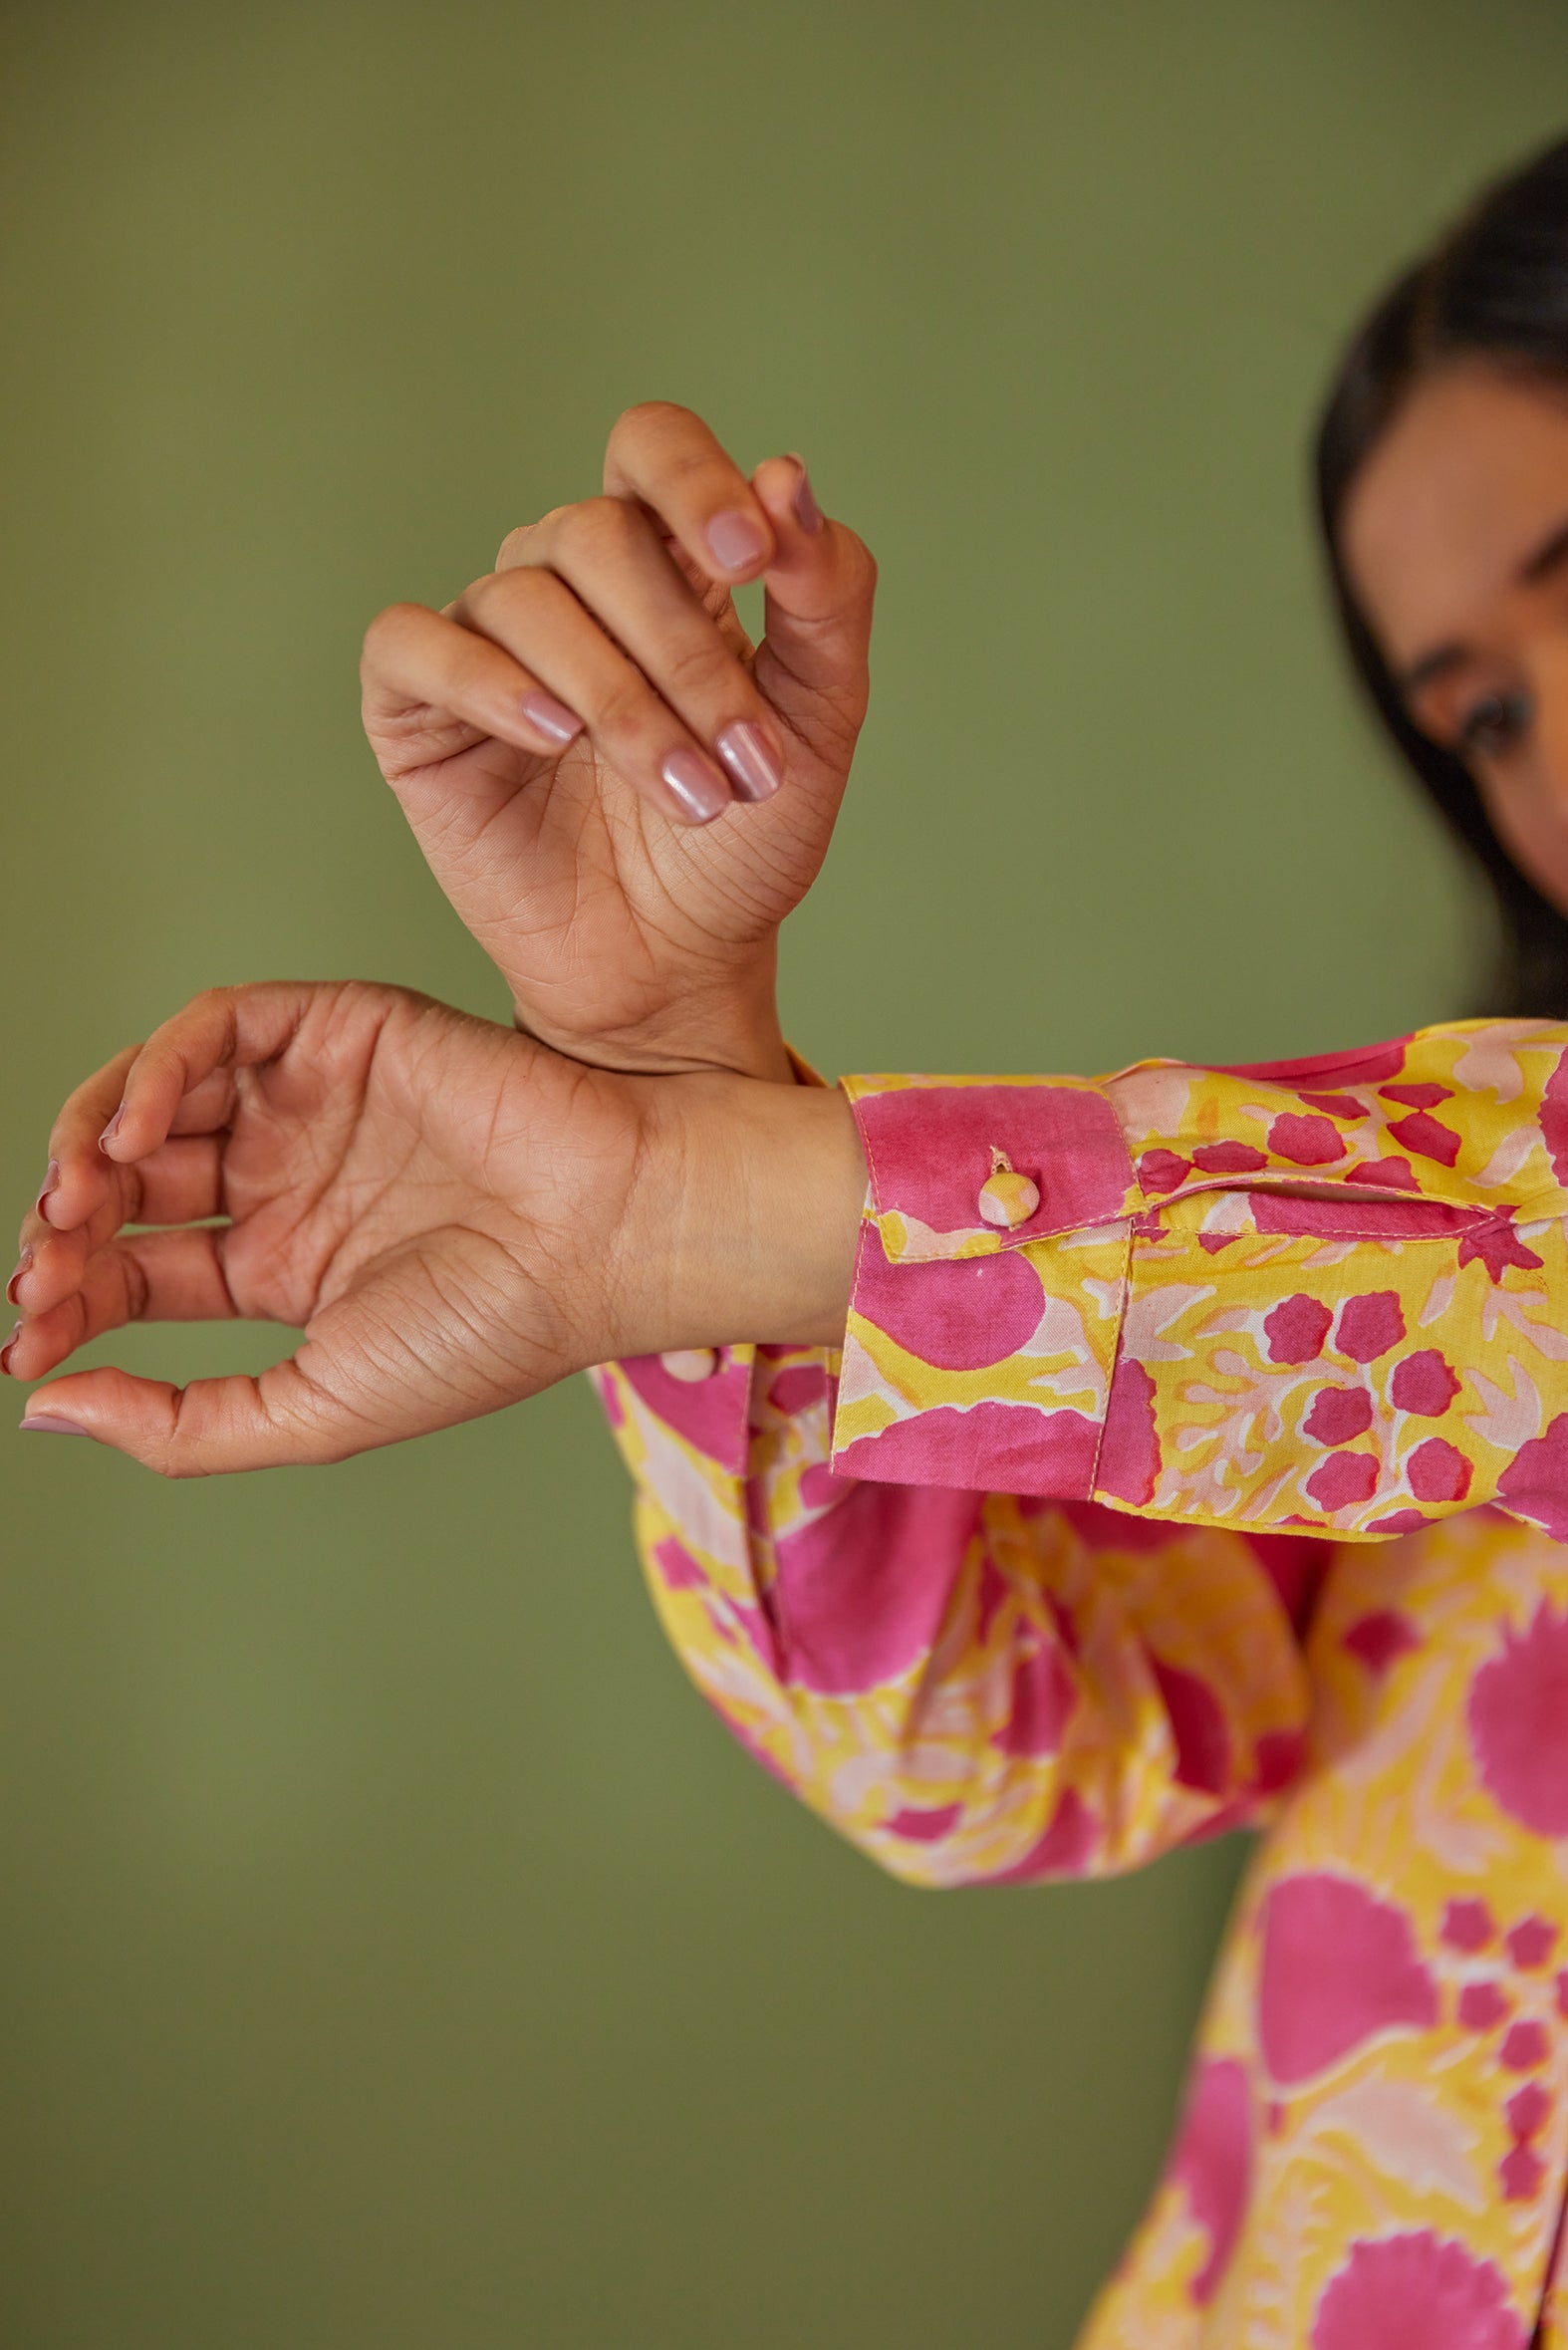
455 1216
750 1217
621 795
636 931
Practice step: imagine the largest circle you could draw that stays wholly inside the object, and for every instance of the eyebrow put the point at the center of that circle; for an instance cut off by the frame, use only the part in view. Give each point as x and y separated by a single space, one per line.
1548 556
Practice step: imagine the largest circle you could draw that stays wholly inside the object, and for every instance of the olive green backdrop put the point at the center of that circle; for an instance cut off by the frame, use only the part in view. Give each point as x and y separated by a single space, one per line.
395 1950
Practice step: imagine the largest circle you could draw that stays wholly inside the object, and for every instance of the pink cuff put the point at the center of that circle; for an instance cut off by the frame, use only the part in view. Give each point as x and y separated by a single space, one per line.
931 1144
989 1284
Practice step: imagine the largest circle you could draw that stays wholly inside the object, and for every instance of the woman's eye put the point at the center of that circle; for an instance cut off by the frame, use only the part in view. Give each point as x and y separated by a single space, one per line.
1494 724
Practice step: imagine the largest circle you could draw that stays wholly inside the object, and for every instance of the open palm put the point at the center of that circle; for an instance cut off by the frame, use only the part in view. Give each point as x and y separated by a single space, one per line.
424 1193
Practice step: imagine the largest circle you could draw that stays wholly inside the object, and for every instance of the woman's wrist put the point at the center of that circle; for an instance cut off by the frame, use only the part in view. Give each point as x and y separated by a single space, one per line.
730 1026
745 1220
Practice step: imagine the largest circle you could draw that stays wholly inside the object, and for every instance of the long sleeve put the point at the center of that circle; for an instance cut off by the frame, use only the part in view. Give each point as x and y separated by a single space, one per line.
1012 1589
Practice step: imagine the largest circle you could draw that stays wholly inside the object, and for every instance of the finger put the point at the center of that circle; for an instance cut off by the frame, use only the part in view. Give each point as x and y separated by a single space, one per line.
27 1259
813 664
51 1263
615 559
207 1107
211 1428
189 1062
76 1181
431 688
356 1381
533 614
181 1183
132 1105
49 1268
714 597
147 1278
665 457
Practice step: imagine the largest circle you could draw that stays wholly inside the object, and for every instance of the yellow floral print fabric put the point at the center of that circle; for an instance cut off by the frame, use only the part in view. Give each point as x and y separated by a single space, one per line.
1032 1582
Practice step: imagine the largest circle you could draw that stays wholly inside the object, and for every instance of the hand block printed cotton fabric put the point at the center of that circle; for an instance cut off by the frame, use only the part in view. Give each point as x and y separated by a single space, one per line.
1217 1476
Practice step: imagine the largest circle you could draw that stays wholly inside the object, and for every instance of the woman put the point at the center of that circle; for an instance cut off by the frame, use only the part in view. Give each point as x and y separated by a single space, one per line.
1027 1579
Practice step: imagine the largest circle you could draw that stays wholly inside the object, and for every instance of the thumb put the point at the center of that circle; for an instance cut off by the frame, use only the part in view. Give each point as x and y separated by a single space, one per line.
211 1428
813 664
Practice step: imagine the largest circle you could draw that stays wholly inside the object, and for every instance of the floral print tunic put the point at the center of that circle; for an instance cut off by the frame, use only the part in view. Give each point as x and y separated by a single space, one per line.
1031 1582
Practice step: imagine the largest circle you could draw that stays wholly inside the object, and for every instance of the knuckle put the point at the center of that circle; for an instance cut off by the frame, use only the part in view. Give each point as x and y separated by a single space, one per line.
597 526
699 464
699 669
511 550
643 412
468 673
859 561
169 1041
482 595
389 626
499 605
137 1291
623 707
186 1447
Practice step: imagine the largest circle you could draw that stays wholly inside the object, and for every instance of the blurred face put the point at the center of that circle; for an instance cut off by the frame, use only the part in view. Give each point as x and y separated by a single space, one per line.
1455 537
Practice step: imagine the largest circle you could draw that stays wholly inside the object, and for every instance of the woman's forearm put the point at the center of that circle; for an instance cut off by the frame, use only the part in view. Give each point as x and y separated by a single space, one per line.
1325 1293
744 1218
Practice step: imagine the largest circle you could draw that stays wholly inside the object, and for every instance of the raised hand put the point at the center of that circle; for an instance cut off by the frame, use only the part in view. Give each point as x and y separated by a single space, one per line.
621 797
422 1193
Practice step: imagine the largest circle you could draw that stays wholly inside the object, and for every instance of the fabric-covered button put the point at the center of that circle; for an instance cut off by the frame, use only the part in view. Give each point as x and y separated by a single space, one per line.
1006 1198
691 1363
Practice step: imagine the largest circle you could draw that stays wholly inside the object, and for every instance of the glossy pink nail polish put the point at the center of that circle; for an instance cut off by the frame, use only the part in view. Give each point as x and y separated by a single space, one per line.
51 1183
734 541
113 1127
698 791
745 753
23 1266
552 718
49 1423
807 511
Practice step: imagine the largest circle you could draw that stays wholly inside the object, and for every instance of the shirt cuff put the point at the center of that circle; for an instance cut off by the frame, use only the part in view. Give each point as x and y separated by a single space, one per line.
1257 1333
990 1283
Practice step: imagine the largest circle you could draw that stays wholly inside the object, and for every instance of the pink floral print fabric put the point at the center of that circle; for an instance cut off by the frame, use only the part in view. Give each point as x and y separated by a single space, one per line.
1032 1582
1312 1296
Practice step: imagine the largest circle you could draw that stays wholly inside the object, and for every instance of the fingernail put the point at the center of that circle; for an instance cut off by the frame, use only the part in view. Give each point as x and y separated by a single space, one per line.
5 1351
807 511
552 718
698 790
113 1127
745 753
735 541
47 1424
51 1183
22 1263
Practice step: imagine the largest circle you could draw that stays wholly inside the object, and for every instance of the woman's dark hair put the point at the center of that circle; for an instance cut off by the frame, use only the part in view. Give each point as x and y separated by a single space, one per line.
1495 287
